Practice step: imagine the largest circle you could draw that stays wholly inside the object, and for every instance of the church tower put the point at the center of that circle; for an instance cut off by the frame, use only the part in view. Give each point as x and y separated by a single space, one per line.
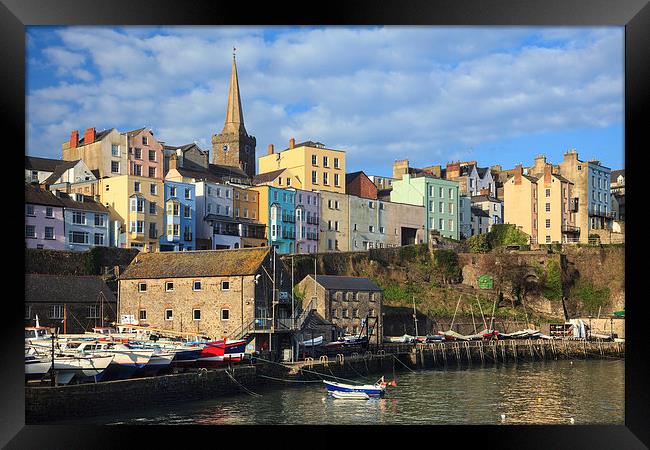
233 146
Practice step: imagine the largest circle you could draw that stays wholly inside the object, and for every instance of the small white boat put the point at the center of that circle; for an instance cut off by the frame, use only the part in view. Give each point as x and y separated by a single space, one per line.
68 367
36 368
313 342
350 395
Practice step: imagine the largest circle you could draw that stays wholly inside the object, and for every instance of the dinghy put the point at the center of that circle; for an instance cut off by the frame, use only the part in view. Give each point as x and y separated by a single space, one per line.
350 395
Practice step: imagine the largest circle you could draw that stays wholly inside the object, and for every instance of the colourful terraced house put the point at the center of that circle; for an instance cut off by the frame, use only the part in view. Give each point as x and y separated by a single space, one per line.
180 217
277 210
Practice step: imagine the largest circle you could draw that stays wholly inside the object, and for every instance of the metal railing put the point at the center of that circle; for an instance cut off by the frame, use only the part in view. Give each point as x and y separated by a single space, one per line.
570 229
263 324
598 213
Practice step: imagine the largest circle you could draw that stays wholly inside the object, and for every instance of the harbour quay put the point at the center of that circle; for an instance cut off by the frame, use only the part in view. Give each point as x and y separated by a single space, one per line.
45 403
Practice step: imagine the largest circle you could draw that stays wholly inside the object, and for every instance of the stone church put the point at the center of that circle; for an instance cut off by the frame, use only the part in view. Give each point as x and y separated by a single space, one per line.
233 146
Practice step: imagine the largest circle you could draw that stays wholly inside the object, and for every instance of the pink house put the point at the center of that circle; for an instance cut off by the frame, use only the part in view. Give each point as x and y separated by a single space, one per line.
43 219
145 154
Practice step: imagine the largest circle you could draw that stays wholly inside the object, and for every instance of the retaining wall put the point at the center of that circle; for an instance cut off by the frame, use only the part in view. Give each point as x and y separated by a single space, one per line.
54 403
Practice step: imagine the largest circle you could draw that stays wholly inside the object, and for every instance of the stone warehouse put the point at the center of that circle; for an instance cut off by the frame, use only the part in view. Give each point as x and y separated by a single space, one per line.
347 302
216 293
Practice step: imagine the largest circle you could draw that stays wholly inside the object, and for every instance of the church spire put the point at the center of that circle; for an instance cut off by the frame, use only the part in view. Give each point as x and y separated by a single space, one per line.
234 116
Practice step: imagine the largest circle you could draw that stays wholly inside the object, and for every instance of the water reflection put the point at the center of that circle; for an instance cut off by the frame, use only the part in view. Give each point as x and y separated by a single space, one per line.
590 392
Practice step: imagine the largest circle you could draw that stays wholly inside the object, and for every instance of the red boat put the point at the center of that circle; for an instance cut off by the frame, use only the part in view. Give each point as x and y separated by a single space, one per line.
222 351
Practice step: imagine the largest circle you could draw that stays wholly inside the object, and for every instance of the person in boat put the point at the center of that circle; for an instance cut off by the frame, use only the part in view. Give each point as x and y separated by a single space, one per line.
382 383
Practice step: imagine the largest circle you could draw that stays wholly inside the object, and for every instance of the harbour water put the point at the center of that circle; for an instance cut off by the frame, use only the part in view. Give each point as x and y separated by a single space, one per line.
550 392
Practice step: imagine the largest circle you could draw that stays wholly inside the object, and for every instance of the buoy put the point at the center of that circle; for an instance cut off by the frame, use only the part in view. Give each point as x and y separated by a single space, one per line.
503 417
571 362
571 420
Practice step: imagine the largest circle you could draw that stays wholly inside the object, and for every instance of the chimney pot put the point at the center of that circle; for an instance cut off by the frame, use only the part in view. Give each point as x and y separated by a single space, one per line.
518 173
270 149
292 143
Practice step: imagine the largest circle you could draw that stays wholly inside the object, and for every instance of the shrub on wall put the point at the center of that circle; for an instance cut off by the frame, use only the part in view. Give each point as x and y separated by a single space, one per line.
478 244
504 234
592 297
553 282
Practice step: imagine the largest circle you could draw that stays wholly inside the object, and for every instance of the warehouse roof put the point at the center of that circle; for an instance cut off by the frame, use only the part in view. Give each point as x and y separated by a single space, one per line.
42 288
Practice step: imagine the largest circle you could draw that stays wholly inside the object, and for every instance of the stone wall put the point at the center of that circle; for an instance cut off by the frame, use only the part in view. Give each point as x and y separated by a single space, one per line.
46 403
92 262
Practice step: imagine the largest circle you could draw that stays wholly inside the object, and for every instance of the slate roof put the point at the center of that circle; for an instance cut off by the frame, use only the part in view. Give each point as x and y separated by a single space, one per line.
216 173
59 171
88 204
484 198
98 137
616 173
200 263
133 132
37 196
349 177
561 178
528 177
482 171
42 288
346 283
42 164
267 176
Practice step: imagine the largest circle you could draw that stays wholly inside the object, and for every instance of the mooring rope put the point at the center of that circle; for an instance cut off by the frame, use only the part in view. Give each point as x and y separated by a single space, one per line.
403 364
306 370
290 381
242 386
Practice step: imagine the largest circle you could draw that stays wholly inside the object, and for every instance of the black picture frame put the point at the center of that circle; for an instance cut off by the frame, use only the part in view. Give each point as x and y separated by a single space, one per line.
633 14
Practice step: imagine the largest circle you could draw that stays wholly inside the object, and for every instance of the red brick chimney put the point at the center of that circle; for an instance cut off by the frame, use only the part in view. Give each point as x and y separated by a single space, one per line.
89 136
453 170
270 152
173 161
547 173
74 139
518 173
292 143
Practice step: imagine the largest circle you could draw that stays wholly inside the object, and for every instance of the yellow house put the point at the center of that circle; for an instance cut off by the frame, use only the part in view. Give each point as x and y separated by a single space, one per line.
541 206
314 166
137 203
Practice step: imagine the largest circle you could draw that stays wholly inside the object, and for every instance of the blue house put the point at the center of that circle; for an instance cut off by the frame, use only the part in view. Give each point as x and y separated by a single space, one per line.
278 210
180 217
86 222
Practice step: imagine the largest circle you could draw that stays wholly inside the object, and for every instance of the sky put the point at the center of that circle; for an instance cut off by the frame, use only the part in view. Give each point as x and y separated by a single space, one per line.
432 95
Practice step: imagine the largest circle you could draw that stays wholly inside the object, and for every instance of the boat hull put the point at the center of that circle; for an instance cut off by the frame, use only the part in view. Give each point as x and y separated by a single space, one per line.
371 390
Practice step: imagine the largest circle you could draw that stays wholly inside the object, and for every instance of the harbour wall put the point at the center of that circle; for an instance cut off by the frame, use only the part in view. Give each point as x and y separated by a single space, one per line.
44 404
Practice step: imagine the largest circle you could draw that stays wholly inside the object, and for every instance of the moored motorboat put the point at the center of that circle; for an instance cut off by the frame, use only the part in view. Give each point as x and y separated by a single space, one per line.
36 367
81 368
127 360
219 352
373 390
350 395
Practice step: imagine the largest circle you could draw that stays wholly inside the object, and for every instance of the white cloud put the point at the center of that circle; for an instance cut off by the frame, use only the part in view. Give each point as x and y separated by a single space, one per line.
428 93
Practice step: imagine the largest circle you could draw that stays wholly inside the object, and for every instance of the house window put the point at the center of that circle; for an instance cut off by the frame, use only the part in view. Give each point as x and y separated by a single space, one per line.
100 220
152 155
169 286
336 225
196 286
138 153
108 188
354 227
288 181
325 178
115 167
441 207
451 224
49 232
142 287
441 223
152 172
93 312
137 170
548 207
144 140
79 218
441 192
196 314
548 239
152 208
451 208
136 186
188 193
225 285
172 191
56 312
30 210
345 313
225 314
314 177
28 312
371 228
142 314
314 160
334 313
115 151
78 237
381 230
169 314
329 244
336 179
34 176
355 312
246 213
547 192
99 239
548 223
451 193
325 161
371 205
187 212
336 163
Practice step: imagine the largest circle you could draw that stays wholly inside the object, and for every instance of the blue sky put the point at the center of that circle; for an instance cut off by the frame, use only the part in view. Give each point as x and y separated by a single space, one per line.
499 95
